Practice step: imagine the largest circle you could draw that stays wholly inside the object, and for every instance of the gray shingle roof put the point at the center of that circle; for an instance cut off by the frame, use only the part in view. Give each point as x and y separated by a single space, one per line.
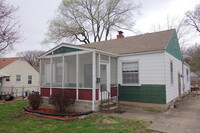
141 43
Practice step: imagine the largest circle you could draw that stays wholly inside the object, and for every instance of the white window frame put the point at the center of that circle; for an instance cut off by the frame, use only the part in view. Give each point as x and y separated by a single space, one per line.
130 84
171 72
18 77
7 78
30 79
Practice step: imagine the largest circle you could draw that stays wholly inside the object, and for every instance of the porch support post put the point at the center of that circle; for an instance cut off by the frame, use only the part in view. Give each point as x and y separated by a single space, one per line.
77 75
109 75
40 77
51 78
93 80
63 72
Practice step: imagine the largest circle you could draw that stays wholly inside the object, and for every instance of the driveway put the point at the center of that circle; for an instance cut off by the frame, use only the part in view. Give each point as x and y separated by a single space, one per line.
184 119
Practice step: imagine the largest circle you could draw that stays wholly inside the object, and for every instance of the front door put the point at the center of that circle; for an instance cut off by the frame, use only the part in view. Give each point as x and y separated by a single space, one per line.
104 81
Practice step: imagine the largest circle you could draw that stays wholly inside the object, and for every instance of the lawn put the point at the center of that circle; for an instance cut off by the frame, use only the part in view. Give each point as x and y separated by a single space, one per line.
12 122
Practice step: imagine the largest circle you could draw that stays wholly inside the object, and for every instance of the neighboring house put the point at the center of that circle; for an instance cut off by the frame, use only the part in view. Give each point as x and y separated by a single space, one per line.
146 68
16 75
195 79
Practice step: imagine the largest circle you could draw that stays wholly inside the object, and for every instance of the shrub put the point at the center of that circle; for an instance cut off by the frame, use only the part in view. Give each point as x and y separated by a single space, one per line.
35 100
61 100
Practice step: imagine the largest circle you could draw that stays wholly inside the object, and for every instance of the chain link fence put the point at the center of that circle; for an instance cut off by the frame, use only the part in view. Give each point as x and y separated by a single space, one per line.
16 92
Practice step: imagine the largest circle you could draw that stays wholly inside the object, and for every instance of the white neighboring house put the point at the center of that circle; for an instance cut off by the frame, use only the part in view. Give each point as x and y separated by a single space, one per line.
17 76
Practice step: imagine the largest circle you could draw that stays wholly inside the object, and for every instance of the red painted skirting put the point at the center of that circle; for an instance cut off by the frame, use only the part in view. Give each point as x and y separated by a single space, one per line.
85 94
45 92
113 91
97 94
72 91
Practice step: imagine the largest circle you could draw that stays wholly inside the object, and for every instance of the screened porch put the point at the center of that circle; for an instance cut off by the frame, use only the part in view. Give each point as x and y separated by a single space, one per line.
87 75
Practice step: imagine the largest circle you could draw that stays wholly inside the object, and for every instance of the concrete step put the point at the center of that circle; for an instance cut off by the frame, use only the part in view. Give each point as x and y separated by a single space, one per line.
110 108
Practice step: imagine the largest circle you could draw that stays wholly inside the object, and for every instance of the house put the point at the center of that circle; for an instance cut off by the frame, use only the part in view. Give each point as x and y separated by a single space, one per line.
140 69
17 76
195 79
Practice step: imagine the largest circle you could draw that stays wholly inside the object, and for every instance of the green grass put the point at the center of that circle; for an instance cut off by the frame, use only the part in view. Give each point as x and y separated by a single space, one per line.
12 122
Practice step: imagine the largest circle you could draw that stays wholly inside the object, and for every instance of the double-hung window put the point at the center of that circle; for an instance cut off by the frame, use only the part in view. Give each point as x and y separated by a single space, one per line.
29 79
18 78
130 73
171 72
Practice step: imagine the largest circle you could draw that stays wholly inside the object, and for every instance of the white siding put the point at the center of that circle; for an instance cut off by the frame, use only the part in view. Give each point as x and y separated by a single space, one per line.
22 68
172 89
151 68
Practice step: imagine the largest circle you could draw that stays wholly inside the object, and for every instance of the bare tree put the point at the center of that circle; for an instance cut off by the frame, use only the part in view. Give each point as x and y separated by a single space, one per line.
174 23
193 18
9 28
193 57
90 20
32 57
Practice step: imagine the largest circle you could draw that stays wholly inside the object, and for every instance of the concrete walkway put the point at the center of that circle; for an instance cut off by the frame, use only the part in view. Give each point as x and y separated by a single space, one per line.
184 119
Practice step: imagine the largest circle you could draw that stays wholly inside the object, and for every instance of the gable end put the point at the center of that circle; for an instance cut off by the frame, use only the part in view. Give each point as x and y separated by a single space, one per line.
63 49
173 47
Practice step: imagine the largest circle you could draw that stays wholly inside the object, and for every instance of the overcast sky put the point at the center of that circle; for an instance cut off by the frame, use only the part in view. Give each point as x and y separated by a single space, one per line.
35 14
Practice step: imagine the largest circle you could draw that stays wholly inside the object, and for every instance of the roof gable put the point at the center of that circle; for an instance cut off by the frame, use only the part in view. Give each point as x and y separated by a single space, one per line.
173 47
6 61
136 44
64 49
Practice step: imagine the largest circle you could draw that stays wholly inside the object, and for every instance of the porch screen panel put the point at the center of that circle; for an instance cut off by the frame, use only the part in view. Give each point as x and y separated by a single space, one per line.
104 58
113 72
45 73
57 72
70 71
85 70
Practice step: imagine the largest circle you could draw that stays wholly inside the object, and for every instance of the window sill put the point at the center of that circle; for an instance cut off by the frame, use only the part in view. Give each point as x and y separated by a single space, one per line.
130 84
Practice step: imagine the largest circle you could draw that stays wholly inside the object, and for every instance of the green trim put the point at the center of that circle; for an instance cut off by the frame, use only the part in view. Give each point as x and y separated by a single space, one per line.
173 47
144 93
63 49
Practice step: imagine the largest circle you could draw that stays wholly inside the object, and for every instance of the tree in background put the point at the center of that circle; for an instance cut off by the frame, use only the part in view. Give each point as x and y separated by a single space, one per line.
193 57
174 23
9 28
193 18
90 20
32 57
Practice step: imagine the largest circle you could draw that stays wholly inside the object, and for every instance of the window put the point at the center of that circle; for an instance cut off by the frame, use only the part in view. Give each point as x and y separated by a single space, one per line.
187 73
7 79
18 77
171 72
130 73
29 79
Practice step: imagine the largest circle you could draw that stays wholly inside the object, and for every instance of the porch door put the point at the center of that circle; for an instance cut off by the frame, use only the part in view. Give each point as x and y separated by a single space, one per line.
104 86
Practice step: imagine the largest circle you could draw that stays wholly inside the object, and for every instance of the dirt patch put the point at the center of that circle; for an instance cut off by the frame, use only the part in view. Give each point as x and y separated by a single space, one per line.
19 115
107 121
151 131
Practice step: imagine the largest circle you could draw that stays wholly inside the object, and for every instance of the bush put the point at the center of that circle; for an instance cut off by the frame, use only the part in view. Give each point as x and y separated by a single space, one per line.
35 100
61 100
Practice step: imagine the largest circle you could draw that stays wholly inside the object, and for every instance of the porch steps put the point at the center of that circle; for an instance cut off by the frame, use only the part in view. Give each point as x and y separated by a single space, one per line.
108 106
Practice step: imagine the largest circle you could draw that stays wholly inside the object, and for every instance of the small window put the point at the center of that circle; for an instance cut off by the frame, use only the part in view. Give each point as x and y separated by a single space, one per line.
29 79
130 73
18 77
171 72
7 79
187 73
